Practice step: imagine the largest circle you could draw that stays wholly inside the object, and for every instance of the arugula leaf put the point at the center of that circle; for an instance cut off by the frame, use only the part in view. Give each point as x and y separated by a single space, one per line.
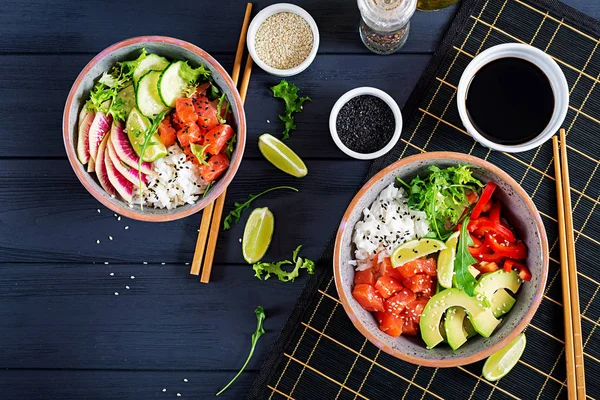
293 104
464 259
207 189
230 144
442 195
299 263
260 319
198 151
236 213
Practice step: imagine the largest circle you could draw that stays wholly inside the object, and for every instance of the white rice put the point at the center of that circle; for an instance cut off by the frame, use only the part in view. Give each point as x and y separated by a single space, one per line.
176 182
386 224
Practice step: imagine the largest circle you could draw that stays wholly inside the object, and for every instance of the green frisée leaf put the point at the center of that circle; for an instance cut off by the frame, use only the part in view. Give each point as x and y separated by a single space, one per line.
234 215
299 263
442 195
260 319
127 67
293 104
104 96
463 260
198 151
191 75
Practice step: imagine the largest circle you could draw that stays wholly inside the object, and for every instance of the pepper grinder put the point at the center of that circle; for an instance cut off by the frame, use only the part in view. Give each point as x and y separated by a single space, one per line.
385 24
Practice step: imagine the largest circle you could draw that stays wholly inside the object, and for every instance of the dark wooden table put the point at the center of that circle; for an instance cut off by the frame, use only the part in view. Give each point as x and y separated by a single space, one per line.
64 333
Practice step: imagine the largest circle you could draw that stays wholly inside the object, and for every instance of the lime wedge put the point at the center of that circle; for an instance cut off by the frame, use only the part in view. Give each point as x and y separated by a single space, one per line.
257 234
136 125
445 263
500 363
414 249
281 156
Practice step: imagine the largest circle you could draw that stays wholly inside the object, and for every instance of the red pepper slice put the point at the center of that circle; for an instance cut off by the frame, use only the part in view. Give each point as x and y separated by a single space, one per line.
476 241
495 212
522 270
516 251
485 267
482 225
484 253
486 195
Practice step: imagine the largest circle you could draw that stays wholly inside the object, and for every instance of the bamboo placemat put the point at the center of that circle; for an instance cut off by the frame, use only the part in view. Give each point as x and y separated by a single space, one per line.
320 355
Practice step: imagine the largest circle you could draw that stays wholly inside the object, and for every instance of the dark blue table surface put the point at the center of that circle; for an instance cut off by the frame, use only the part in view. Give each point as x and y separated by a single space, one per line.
64 334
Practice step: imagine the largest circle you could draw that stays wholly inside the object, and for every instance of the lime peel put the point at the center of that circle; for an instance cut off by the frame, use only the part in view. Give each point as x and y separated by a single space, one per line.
257 234
500 363
415 249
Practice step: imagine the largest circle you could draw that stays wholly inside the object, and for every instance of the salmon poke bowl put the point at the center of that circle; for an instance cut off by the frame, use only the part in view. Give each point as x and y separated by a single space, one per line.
441 259
154 128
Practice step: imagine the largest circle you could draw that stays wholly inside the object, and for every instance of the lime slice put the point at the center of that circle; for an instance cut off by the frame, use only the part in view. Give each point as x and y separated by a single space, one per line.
500 363
281 156
257 234
445 263
414 249
136 125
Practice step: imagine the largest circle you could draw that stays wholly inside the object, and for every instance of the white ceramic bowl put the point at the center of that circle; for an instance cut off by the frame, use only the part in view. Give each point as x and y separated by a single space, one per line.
261 17
541 60
359 92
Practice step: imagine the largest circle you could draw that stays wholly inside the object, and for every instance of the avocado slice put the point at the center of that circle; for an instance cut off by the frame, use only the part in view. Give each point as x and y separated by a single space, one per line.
492 287
481 317
457 327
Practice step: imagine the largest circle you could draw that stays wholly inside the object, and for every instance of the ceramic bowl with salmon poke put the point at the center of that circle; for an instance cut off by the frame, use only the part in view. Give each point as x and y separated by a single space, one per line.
441 259
154 128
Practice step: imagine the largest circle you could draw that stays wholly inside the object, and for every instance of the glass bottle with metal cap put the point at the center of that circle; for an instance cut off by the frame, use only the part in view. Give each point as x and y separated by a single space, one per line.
385 23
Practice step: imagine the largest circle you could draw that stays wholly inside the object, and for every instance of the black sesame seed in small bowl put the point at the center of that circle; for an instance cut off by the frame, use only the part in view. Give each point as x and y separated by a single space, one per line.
365 123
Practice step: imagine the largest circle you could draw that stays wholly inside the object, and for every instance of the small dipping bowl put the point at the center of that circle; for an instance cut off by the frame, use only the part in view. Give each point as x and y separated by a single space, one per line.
365 91
545 63
262 17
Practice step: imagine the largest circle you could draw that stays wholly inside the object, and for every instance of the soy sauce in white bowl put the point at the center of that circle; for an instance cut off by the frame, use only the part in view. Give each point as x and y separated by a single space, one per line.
510 101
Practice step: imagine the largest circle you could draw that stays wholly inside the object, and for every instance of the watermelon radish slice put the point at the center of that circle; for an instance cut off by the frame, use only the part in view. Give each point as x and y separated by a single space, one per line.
101 168
91 167
83 139
125 151
131 174
100 127
120 183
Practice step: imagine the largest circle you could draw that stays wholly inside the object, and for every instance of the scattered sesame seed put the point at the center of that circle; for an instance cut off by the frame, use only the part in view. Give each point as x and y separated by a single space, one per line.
145 263
98 211
185 380
98 241
116 293
132 277
164 390
110 238
127 227
127 287
106 262
112 274
178 394
162 263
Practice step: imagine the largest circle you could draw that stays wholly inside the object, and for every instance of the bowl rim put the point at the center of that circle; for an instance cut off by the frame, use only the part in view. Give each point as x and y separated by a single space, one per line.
453 362
370 91
266 13
133 213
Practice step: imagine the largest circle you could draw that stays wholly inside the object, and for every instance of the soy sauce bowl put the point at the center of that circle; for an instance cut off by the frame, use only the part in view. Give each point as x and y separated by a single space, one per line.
368 91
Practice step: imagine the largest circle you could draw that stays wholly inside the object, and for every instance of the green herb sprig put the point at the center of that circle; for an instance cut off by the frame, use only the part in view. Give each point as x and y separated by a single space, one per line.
299 263
443 196
293 104
147 134
222 118
234 215
260 319
230 144
464 259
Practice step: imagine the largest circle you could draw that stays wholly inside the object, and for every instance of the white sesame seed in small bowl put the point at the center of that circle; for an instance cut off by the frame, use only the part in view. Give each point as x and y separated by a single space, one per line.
283 39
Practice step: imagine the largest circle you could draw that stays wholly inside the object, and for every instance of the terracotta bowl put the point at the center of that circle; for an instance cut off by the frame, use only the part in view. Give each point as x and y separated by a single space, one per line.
519 210
128 50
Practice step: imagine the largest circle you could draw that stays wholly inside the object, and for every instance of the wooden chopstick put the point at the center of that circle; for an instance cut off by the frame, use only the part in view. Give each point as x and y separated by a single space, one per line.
572 263
203 233
564 272
216 219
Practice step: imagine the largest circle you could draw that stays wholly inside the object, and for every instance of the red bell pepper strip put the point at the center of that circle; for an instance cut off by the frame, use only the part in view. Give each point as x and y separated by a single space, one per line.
522 270
486 195
495 212
482 225
485 267
484 253
516 250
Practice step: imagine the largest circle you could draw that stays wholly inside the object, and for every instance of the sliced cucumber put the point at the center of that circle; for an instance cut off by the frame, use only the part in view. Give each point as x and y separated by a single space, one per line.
127 96
175 79
146 95
152 62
